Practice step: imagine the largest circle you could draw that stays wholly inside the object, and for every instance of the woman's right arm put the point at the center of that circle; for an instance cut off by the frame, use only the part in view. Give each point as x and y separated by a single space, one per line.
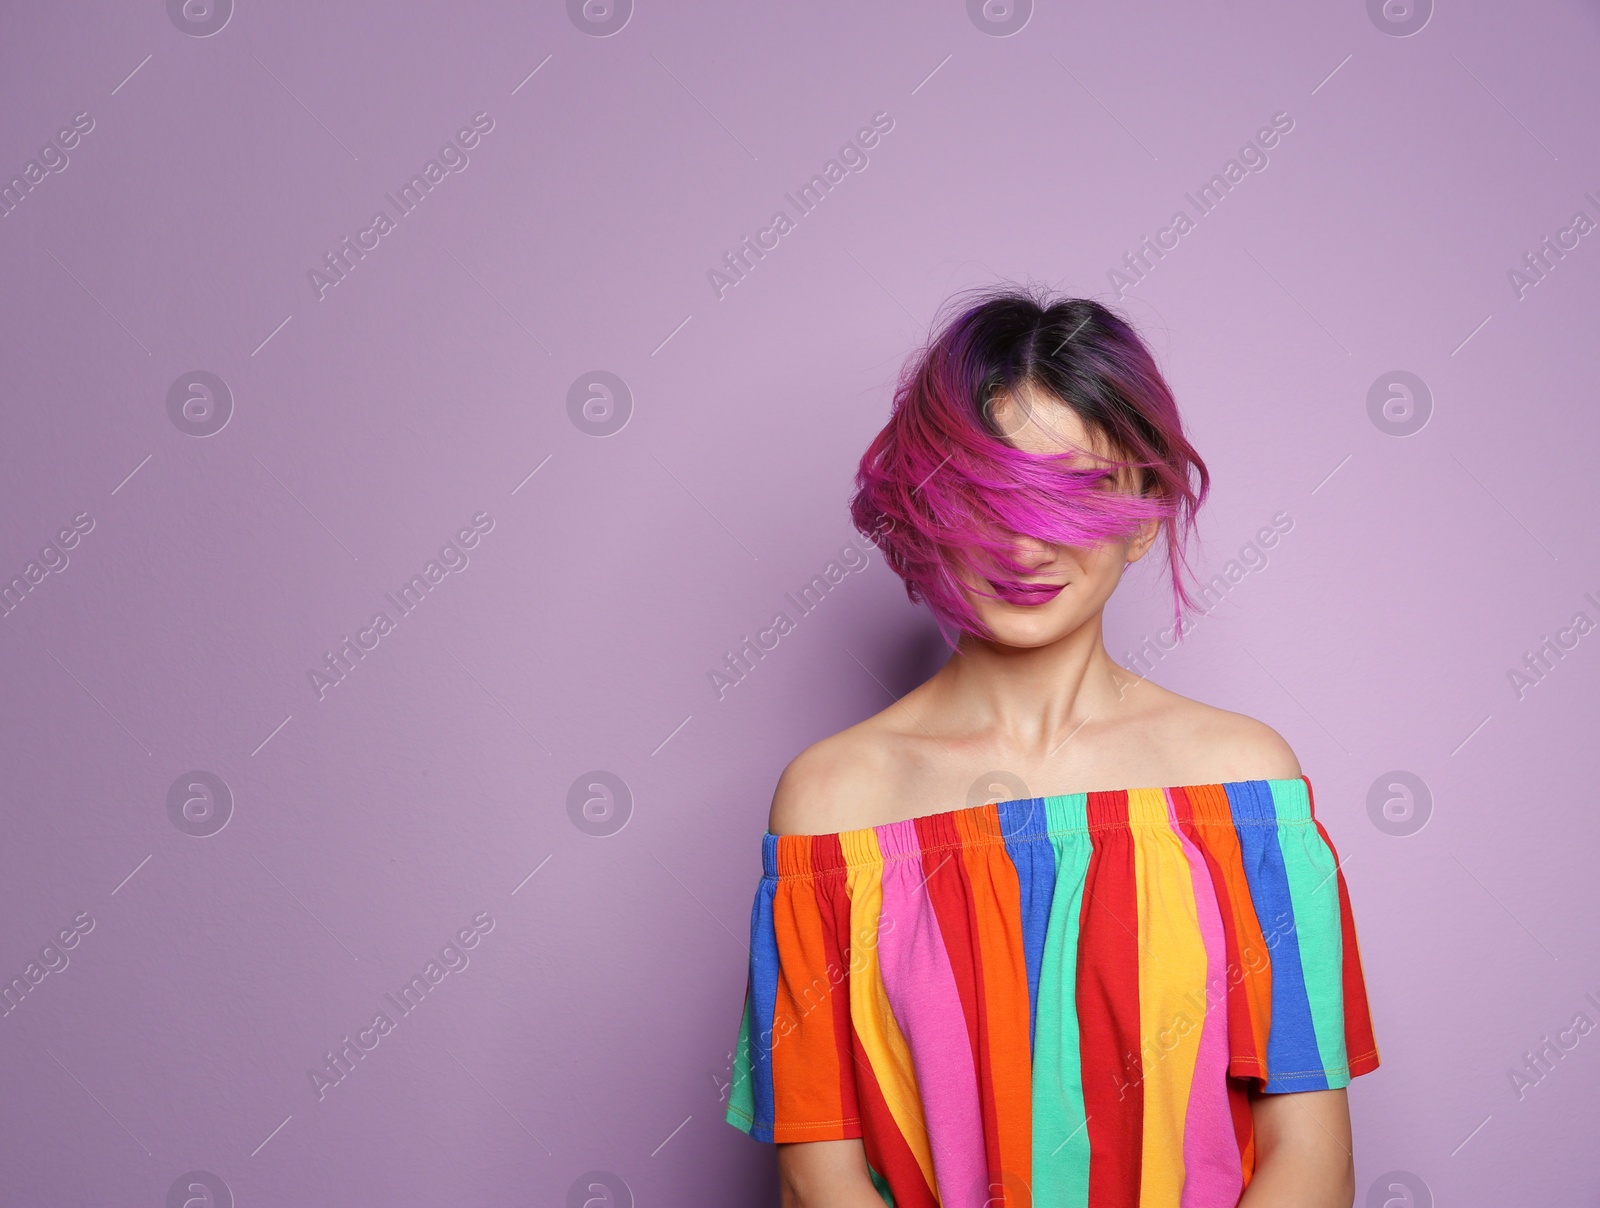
825 1174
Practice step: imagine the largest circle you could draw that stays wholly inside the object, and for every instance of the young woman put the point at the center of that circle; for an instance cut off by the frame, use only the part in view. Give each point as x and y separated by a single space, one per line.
1133 980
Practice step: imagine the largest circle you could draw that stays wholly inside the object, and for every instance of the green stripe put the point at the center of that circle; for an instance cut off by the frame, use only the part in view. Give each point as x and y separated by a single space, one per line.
741 1110
1314 895
1060 1135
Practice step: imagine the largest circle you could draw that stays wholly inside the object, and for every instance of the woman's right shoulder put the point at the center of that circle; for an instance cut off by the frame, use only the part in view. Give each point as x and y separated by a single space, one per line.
832 784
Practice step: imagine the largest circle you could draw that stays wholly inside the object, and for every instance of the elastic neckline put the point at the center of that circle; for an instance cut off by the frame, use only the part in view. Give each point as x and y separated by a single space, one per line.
1260 802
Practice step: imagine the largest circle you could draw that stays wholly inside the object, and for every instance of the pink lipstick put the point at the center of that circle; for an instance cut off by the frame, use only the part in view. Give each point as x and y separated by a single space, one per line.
1028 594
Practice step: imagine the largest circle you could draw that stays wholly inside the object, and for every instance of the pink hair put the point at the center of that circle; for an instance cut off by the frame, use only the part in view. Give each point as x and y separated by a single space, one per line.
941 488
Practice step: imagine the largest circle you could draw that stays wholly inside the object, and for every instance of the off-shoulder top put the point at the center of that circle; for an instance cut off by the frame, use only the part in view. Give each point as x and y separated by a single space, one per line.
1058 1001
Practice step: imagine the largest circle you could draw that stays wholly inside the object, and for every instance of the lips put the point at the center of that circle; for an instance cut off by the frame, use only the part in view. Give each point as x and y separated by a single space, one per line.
1027 594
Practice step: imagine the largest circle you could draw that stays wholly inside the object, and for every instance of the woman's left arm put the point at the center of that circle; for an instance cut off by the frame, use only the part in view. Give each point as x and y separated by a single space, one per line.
1303 1157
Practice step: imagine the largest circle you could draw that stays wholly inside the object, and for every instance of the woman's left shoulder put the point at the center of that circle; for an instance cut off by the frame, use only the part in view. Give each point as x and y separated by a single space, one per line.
1241 747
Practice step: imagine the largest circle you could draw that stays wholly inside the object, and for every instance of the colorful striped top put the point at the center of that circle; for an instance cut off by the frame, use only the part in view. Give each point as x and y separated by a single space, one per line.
1057 1001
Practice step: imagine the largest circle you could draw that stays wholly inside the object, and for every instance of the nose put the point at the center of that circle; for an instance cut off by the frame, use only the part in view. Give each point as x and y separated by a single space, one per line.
1032 552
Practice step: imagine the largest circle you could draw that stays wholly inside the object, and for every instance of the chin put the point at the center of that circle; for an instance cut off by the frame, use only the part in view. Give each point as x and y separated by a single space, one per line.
1010 629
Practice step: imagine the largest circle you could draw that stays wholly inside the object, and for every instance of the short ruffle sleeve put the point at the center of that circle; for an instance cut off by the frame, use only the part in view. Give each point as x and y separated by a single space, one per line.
1298 1017
793 1076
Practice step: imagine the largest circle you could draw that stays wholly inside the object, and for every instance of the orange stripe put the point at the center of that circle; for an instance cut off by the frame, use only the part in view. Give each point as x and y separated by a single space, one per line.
1249 969
1006 1065
805 1052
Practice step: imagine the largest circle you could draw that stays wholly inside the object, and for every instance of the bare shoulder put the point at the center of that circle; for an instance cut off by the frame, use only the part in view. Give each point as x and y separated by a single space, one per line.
1232 746
823 788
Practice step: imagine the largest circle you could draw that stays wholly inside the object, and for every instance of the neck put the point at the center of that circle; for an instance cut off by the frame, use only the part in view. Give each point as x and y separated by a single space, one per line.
1033 698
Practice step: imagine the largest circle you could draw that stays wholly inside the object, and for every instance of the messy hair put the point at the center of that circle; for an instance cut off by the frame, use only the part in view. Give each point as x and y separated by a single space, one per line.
942 488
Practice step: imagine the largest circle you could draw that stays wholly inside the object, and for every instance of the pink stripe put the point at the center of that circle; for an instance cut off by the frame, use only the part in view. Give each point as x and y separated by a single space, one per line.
1212 1172
921 988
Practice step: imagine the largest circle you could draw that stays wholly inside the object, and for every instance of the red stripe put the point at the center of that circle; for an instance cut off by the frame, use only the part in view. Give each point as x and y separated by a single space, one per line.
1361 1049
833 905
950 892
1360 1046
1209 820
1108 1008
886 1149
1218 998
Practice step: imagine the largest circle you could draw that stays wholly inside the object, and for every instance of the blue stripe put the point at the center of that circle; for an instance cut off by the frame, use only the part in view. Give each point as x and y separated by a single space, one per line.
1024 825
763 1001
1292 1036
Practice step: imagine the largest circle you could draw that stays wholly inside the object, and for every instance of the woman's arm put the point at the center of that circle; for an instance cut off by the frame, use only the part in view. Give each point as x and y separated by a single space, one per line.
825 1174
1303 1157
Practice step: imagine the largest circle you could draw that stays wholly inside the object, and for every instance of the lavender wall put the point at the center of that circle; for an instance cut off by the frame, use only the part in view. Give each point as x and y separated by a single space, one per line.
224 851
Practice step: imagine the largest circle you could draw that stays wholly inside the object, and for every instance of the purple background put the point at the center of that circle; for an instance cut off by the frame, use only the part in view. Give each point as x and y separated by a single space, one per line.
591 1029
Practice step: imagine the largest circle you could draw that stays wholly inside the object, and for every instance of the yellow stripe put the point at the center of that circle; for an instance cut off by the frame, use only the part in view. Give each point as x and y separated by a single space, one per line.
1172 963
886 1049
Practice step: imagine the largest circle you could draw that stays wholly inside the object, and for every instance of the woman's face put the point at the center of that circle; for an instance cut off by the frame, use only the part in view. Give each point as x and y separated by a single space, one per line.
1064 585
